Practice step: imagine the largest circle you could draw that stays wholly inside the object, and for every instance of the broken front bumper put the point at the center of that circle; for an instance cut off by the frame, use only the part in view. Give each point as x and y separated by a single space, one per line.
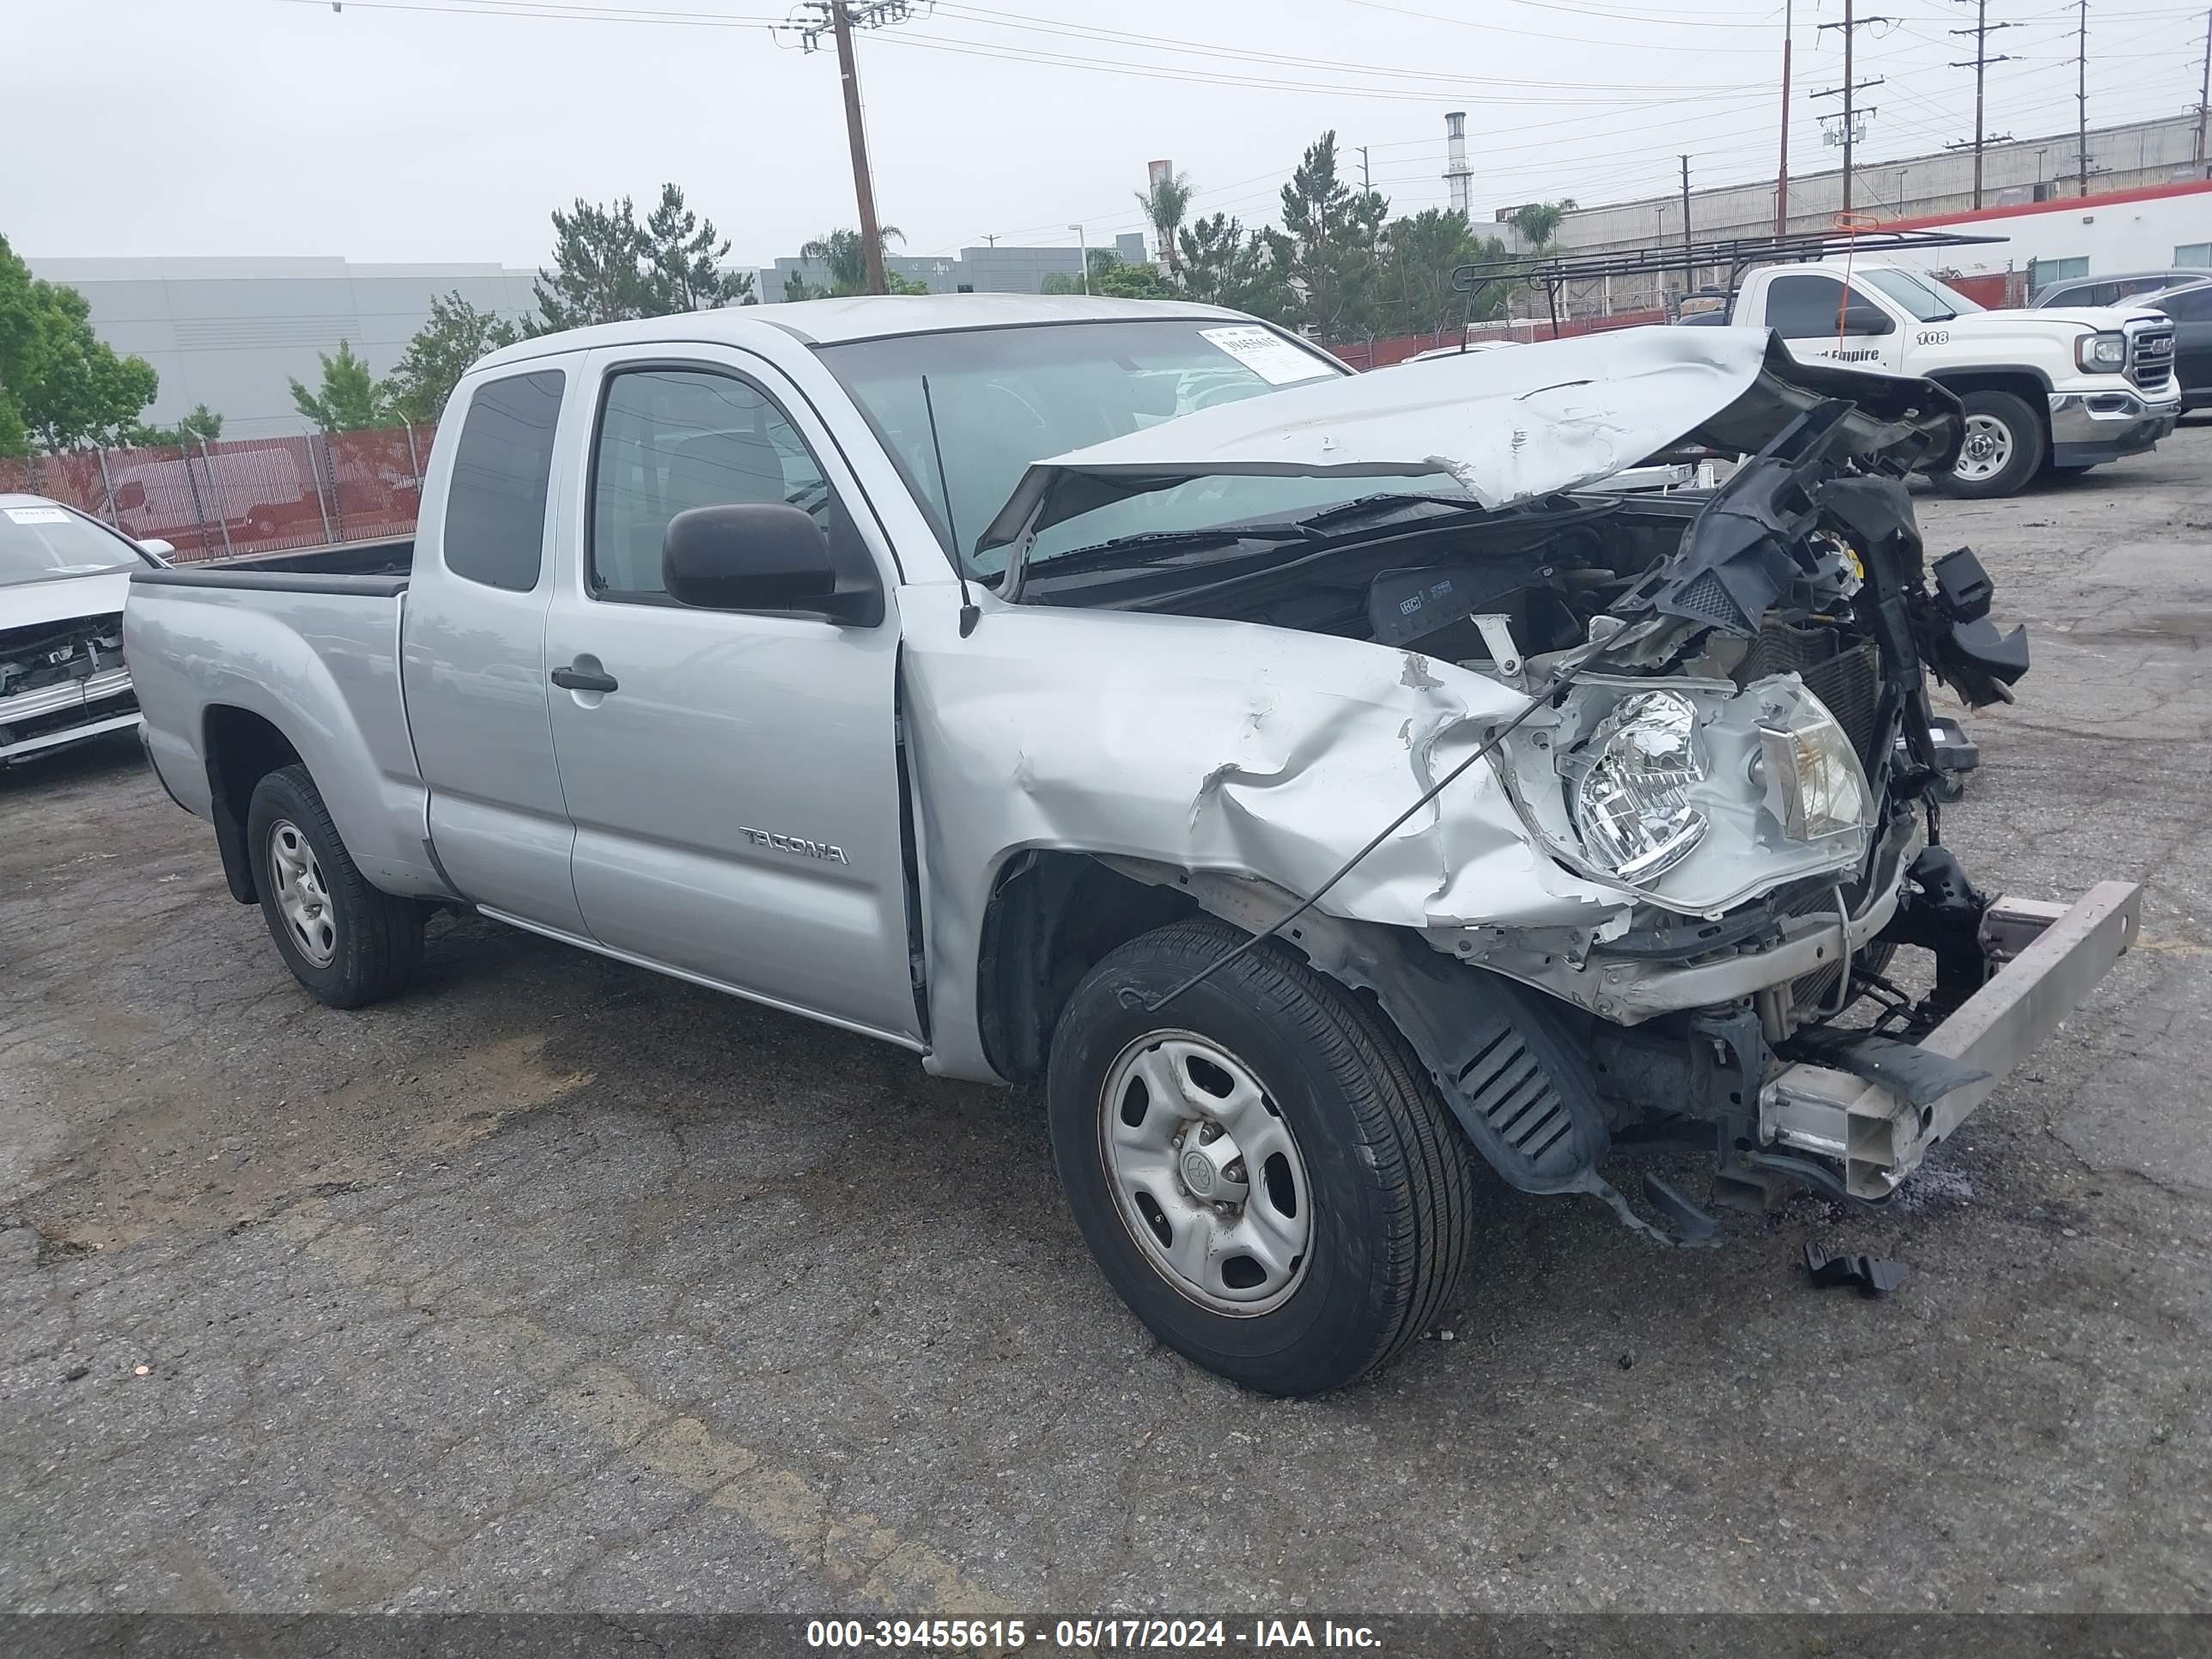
1880 1131
67 712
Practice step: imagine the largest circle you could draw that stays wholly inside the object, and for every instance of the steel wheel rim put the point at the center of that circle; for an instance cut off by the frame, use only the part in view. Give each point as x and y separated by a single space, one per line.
1986 450
1207 1175
302 899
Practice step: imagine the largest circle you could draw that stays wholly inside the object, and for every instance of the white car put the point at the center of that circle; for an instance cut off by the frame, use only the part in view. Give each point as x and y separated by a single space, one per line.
63 579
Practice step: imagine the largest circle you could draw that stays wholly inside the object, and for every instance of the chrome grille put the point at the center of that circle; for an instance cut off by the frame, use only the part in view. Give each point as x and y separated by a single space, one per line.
2150 355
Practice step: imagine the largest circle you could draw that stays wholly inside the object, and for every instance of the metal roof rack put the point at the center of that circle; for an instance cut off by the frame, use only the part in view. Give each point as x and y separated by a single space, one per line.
1735 255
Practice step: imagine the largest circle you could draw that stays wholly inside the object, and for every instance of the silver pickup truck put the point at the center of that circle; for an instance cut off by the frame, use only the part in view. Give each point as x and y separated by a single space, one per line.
1313 780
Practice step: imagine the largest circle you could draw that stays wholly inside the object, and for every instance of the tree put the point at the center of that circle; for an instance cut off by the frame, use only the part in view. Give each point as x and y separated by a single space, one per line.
608 268
202 425
441 353
681 251
1114 277
841 252
1421 253
1333 231
797 287
61 386
1166 202
1539 222
1223 264
351 397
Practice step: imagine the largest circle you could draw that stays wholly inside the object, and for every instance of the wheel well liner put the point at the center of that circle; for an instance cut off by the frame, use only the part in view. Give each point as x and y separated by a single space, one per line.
242 748
1052 916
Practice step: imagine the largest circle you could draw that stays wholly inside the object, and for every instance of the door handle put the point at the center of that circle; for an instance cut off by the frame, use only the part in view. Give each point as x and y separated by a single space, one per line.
583 679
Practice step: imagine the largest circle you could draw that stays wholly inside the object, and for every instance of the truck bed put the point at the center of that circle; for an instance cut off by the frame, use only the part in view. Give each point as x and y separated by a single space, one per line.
238 654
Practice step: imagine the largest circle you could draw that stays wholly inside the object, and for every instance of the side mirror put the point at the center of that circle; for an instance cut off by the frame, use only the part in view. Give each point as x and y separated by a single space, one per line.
764 556
1860 318
158 548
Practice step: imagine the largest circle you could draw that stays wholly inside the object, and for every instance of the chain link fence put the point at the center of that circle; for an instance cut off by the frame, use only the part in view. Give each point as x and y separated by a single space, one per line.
236 497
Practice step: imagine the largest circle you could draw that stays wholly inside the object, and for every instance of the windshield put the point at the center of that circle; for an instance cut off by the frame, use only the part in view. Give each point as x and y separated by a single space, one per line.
40 543
1928 300
1006 397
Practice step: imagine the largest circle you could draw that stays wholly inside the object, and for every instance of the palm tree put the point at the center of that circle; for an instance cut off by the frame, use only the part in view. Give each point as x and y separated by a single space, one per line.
839 251
1164 203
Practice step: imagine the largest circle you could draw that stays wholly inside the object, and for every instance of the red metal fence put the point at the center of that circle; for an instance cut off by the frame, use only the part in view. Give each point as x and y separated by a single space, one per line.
238 496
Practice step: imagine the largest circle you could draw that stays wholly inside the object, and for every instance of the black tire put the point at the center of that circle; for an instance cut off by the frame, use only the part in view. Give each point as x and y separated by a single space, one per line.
1390 1202
2023 434
374 940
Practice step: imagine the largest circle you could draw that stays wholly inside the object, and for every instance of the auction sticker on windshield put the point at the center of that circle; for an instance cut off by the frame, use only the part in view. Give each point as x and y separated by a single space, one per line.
1270 357
37 515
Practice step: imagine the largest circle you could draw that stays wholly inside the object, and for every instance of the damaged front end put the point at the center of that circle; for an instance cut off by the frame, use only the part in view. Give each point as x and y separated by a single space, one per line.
1664 908
61 681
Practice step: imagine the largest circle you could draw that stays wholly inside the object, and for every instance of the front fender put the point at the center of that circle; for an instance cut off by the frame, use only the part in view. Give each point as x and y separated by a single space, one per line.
1205 745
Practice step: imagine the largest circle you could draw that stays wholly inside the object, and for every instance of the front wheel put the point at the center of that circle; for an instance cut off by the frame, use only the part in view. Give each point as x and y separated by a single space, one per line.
2004 448
348 943
1263 1172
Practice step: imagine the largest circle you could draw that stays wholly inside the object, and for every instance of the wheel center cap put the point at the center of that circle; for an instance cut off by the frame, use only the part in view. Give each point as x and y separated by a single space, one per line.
1198 1173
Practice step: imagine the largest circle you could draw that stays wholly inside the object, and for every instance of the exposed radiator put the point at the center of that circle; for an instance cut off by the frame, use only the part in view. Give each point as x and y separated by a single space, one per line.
1848 681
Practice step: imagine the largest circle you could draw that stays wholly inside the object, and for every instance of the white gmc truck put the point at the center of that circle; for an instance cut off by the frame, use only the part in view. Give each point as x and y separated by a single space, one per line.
1308 779
2060 390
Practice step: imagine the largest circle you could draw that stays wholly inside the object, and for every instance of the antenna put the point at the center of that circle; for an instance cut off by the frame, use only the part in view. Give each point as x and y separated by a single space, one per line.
969 612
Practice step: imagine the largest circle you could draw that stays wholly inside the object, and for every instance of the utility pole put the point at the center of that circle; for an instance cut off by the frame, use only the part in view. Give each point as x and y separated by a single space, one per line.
1851 26
2204 88
838 19
1979 63
1689 278
1366 178
1782 174
2081 97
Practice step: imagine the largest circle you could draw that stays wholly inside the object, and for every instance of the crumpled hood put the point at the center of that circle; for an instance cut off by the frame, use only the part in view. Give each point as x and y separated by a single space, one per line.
1509 426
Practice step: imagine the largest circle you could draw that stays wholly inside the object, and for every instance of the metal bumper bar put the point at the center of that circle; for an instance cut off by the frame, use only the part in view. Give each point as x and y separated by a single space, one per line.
1879 1137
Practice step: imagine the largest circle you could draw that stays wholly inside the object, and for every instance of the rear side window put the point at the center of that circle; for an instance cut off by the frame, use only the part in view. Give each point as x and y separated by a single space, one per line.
495 504
1804 307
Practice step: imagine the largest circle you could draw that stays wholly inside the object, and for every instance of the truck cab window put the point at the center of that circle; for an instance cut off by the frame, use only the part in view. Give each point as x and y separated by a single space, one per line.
1803 307
496 505
670 440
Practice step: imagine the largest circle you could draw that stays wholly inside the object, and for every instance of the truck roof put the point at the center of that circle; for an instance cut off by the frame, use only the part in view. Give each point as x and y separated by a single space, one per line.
863 317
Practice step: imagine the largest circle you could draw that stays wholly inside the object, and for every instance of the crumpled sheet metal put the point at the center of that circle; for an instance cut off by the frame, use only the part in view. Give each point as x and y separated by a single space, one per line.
1509 426
1206 746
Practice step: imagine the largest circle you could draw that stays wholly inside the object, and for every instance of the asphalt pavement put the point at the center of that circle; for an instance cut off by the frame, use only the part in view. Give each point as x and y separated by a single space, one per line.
557 1285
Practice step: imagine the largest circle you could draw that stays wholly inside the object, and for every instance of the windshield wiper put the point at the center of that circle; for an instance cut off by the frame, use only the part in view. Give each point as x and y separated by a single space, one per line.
1367 504
1180 540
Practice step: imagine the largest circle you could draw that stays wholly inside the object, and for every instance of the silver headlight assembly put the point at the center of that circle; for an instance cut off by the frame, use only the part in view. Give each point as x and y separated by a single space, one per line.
1696 794
1630 803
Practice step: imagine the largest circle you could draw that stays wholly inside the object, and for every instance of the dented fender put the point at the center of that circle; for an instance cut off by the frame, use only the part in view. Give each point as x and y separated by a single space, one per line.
1208 746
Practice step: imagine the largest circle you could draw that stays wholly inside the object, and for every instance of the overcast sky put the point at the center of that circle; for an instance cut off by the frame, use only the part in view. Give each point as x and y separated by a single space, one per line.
446 130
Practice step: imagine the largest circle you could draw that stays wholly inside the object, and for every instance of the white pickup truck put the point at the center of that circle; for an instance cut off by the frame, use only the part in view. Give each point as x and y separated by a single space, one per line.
2058 389
1306 778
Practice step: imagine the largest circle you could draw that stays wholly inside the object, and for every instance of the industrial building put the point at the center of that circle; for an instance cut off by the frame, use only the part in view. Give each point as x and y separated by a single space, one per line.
234 333
1935 189
988 270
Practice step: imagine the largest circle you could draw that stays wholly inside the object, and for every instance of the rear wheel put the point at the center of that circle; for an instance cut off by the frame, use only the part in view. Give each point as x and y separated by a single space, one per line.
348 943
2004 448
1263 1173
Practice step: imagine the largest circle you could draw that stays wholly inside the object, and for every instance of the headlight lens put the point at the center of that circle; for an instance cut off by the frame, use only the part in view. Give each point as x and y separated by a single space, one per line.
1630 806
2103 352
1815 784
